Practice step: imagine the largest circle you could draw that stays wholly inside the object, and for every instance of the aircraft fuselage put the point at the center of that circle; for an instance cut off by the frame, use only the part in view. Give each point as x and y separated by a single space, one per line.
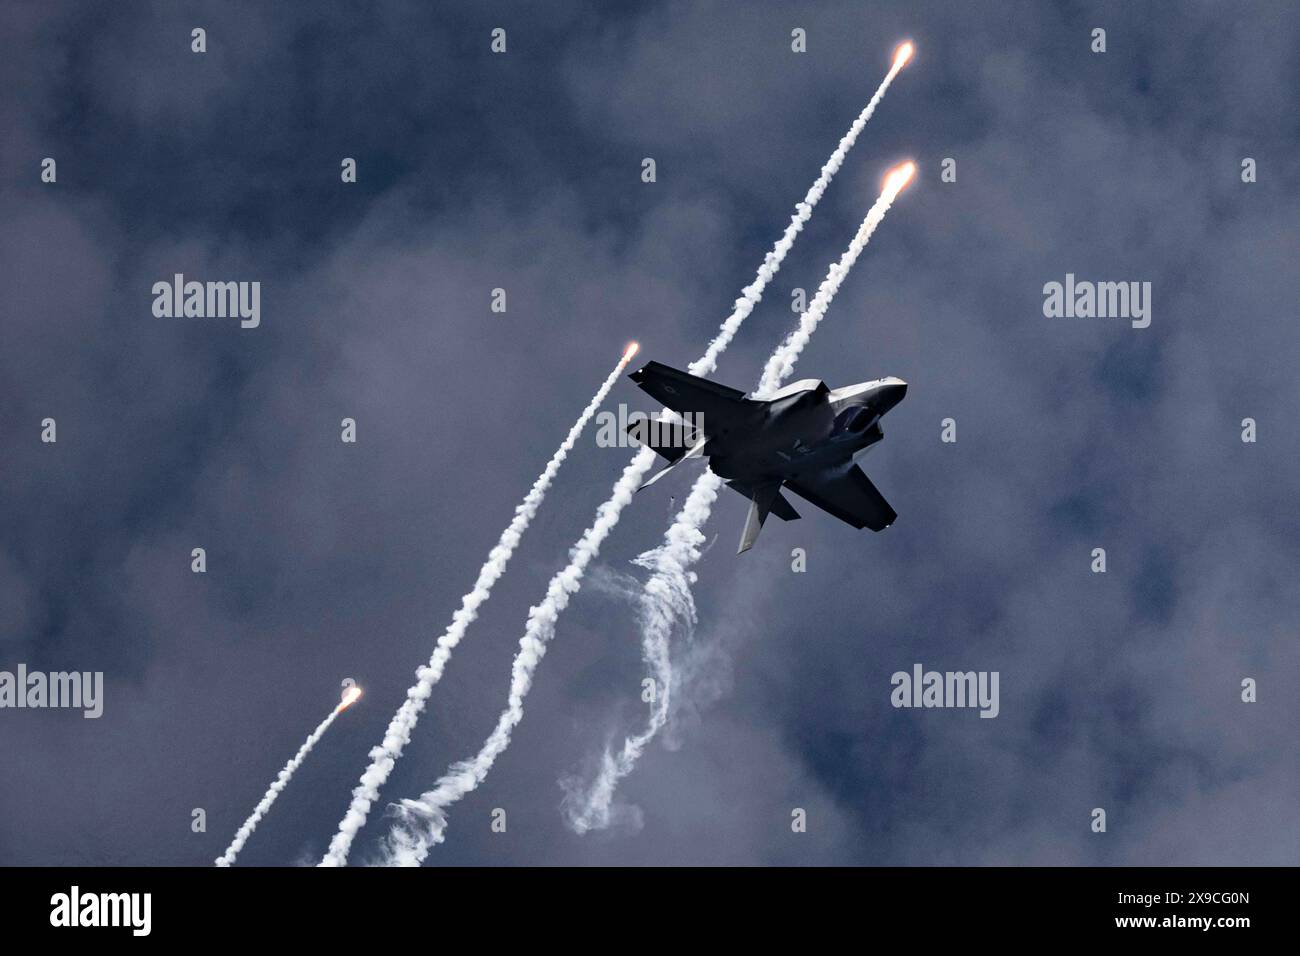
804 430
804 437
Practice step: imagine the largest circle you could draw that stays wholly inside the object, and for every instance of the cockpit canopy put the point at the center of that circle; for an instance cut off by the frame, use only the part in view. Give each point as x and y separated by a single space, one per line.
855 419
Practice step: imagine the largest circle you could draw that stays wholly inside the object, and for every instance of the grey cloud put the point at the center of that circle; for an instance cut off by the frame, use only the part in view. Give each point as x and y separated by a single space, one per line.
328 561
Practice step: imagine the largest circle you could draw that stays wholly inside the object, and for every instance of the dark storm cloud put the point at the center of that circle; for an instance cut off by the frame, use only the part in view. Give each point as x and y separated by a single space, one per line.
328 560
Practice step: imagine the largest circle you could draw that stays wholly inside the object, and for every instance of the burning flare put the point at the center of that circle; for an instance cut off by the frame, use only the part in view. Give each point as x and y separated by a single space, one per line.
666 600
903 54
350 696
421 823
896 179
631 350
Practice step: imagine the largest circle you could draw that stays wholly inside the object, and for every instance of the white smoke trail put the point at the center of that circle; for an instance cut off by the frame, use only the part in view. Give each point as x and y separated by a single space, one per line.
665 601
781 362
400 728
752 293
421 822
666 598
280 782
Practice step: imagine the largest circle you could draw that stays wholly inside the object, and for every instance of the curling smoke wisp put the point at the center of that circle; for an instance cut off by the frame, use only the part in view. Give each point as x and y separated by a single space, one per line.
400 728
666 599
422 822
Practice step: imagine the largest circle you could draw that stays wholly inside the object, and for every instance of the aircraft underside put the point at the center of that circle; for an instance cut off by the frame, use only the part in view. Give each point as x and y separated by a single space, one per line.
804 441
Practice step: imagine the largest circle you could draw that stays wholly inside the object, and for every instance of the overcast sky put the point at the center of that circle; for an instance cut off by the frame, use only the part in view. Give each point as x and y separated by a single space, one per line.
328 560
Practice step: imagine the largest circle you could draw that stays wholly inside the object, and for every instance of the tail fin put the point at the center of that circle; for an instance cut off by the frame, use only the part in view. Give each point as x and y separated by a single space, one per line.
780 506
670 439
761 502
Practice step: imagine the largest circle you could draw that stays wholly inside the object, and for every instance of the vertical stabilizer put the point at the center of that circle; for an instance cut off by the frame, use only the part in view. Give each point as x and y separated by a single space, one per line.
760 503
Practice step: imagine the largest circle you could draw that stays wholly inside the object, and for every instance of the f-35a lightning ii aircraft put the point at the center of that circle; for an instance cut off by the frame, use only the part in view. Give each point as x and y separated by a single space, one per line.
806 437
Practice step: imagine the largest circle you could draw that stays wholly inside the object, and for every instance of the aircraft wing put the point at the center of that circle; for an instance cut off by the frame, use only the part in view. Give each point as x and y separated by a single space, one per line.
848 494
717 405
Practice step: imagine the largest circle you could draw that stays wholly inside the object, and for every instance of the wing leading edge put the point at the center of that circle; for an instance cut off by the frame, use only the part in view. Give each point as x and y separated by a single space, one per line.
717 405
848 494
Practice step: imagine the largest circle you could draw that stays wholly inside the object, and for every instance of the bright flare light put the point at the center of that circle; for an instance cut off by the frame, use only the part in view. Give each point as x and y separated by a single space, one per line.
632 349
896 179
903 54
350 697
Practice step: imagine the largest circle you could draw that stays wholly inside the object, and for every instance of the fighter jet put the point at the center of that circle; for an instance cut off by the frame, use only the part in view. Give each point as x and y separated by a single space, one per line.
806 437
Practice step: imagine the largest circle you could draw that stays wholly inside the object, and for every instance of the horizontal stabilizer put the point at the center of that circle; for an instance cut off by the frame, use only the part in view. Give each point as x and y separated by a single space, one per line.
696 453
670 439
760 505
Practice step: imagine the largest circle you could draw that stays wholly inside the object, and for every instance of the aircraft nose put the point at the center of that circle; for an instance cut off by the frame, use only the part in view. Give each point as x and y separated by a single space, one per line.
891 392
